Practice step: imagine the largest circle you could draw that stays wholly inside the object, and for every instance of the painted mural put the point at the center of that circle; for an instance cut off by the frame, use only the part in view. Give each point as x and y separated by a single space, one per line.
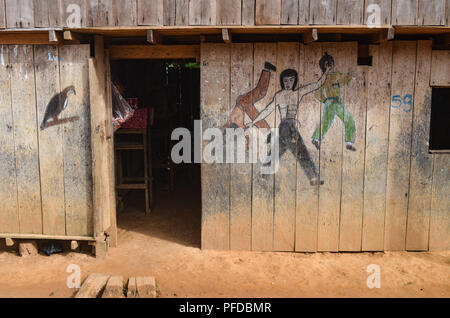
56 106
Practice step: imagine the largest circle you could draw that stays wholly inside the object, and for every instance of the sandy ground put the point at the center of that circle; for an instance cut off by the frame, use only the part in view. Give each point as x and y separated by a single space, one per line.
166 245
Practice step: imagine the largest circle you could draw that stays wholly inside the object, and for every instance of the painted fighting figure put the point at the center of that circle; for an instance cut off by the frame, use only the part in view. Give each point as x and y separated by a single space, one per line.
330 95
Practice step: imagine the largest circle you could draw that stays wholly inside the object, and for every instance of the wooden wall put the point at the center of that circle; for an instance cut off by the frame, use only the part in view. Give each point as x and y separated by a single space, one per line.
46 184
390 194
96 13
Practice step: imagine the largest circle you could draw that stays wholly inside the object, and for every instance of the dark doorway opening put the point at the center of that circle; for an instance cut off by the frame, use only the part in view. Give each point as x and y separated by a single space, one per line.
440 113
167 95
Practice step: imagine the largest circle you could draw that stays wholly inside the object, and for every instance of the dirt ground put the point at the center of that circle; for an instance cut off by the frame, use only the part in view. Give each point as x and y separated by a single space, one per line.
166 244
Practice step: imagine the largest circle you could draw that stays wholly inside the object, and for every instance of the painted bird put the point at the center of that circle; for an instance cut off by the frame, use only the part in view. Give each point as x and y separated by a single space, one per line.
57 104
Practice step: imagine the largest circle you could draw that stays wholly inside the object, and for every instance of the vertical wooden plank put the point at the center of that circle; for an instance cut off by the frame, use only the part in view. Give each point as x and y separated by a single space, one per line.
331 163
447 13
309 115
404 12
182 12
20 14
150 12
399 156
215 97
377 141
263 184
248 12
286 176
73 13
303 12
384 7
440 68
169 12
440 204
289 12
9 217
350 12
74 71
124 13
47 13
2 14
229 12
431 12
50 140
268 12
352 200
202 12
322 12
26 141
241 173
99 12
419 203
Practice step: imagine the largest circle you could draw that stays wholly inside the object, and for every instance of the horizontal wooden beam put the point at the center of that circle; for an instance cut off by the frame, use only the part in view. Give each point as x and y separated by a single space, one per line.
33 38
143 52
45 237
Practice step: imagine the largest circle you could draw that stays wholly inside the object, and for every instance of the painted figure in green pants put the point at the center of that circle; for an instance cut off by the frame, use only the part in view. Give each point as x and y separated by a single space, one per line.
330 95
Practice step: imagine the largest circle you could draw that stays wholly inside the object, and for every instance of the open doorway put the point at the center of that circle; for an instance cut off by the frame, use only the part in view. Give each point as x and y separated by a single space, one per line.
165 95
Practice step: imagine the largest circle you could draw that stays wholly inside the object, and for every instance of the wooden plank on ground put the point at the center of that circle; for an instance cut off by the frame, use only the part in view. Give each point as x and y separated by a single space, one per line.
9 217
309 115
132 288
146 287
372 8
229 12
303 12
440 68
440 204
241 173
93 286
46 59
431 12
74 71
19 13
202 12
150 12
74 13
98 12
352 199
263 184
47 13
350 12
248 12
377 141
215 108
419 204
114 288
268 12
399 156
323 12
404 12
26 141
289 12
182 12
331 163
286 176
2 14
124 13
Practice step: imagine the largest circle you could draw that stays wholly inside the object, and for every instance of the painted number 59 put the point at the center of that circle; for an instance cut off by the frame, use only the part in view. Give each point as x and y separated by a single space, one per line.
406 102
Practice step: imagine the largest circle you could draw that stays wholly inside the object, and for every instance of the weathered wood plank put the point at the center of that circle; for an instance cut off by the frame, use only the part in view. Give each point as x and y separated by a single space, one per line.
20 13
146 287
352 197
9 217
431 12
350 12
229 12
248 12
202 12
383 10
114 288
2 14
263 184
124 13
98 12
421 161
289 12
377 141
182 12
93 286
307 206
48 91
322 12
74 13
404 12
303 12
241 173
440 68
286 176
74 71
150 12
215 107
47 13
331 159
399 156
170 10
26 143
268 12
440 204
